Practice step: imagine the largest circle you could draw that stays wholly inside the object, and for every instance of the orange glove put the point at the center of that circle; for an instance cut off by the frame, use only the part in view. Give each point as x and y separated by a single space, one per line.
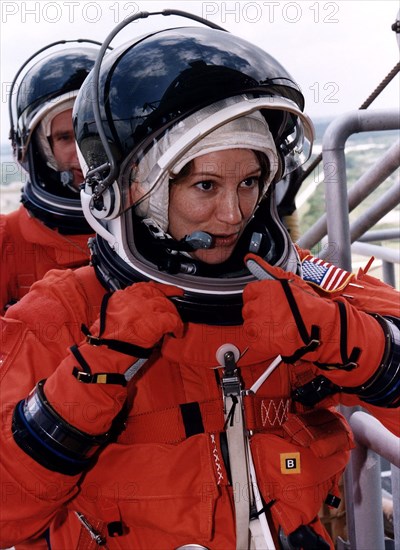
285 316
131 322
69 417
139 315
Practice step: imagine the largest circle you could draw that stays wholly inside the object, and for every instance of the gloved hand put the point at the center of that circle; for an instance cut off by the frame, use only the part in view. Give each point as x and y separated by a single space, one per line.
140 314
284 316
131 322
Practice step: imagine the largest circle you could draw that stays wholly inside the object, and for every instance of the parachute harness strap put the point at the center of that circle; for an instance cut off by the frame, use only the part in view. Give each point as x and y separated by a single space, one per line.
237 445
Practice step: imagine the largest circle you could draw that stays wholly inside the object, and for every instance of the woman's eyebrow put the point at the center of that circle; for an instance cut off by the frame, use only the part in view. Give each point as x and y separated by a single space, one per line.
242 174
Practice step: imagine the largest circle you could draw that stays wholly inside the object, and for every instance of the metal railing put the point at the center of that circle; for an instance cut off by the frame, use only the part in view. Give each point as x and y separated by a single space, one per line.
366 530
362 479
339 202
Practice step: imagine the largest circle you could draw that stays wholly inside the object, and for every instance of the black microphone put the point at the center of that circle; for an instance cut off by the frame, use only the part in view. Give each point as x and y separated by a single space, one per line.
194 241
66 177
199 239
67 180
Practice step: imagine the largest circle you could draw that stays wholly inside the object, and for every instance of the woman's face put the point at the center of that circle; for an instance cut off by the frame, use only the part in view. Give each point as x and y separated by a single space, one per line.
218 196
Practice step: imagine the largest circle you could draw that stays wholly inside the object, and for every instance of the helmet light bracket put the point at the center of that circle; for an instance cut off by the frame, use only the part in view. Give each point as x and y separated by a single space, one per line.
111 165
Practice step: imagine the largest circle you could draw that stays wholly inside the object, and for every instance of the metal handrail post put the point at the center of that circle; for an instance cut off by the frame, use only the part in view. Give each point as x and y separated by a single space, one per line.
389 273
334 164
372 438
395 474
367 500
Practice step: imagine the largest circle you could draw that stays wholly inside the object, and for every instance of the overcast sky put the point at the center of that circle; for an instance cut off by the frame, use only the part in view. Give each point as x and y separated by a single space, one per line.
337 51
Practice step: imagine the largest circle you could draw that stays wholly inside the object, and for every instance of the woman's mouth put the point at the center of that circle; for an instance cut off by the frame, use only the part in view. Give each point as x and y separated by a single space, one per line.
225 240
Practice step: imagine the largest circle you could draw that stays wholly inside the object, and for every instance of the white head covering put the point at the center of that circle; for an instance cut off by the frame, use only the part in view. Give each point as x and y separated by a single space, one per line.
246 132
43 131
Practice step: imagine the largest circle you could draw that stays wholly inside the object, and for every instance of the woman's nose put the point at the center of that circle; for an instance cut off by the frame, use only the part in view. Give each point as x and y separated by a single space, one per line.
228 208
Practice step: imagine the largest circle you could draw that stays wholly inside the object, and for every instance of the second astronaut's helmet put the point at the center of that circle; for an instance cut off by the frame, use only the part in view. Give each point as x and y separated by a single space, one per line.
44 88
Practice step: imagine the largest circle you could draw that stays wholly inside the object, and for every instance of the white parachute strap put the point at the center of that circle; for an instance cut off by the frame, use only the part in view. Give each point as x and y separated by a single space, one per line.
254 534
239 471
227 356
261 537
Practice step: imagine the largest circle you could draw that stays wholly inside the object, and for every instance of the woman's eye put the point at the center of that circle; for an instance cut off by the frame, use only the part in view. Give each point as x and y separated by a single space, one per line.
204 185
250 182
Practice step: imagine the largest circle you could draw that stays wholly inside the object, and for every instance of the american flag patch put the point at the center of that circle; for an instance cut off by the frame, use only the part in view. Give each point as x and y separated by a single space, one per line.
326 276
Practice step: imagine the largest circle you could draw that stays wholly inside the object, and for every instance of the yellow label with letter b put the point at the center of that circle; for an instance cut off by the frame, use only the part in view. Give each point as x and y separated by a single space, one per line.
290 463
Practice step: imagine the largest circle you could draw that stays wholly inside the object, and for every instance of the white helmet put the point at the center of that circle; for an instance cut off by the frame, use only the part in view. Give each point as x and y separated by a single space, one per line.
46 85
159 101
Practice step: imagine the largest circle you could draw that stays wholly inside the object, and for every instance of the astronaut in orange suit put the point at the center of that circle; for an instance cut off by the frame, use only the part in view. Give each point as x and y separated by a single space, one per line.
180 392
48 230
